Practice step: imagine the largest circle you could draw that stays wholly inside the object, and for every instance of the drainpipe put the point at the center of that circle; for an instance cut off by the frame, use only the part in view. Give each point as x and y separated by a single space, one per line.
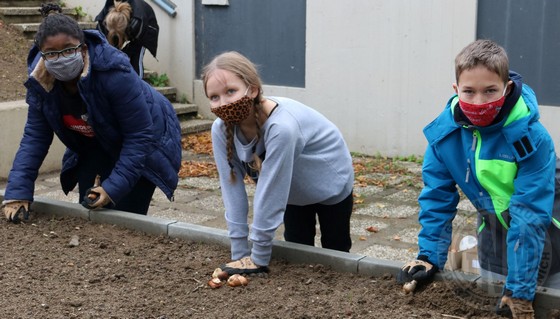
167 6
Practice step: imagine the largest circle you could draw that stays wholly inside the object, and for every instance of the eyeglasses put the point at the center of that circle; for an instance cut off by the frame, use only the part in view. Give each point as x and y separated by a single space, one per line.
67 53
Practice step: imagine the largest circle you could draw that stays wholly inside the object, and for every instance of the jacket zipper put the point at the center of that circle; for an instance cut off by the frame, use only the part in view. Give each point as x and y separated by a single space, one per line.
473 147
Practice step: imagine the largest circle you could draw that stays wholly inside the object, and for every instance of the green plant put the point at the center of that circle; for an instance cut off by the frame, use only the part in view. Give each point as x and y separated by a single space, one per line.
357 154
411 158
379 156
158 80
61 3
80 12
184 99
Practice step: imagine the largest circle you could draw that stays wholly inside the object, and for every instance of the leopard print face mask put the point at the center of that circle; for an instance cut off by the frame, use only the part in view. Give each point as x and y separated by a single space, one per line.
234 112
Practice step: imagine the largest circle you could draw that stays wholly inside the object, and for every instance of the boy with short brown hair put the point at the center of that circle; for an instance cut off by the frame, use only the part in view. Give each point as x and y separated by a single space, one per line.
489 142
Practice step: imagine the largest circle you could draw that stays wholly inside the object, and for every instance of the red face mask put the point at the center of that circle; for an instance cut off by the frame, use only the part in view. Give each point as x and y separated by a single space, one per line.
482 114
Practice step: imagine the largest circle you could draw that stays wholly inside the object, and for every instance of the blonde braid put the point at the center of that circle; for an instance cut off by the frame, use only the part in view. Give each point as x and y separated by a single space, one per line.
257 162
229 138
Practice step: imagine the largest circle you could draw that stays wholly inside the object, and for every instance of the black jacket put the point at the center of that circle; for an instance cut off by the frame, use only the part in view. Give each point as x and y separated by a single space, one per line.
142 28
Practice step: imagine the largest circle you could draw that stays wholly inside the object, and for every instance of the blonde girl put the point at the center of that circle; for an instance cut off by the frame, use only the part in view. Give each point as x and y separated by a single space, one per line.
297 157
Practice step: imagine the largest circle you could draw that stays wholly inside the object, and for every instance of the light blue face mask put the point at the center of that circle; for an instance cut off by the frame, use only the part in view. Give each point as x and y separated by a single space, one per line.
65 68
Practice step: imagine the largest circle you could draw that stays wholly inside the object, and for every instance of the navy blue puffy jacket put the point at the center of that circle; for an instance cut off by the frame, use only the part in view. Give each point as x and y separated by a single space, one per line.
132 121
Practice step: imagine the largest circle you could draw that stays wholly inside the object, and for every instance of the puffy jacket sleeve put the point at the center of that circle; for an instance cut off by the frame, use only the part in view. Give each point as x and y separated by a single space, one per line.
438 207
531 213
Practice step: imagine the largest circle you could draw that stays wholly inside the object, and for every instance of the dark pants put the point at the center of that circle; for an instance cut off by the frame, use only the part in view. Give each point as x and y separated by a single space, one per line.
135 52
334 222
492 241
136 201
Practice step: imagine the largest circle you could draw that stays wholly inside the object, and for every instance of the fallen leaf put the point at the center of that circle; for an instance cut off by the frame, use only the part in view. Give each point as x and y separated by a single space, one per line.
372 229
362 238
197 169
200 143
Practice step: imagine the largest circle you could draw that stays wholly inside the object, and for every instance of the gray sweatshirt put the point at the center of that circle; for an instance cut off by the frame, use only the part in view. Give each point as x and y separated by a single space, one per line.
306 162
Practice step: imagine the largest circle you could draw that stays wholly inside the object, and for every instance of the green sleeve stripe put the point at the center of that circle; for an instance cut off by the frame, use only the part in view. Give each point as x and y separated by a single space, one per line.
556 222
482 225
502 221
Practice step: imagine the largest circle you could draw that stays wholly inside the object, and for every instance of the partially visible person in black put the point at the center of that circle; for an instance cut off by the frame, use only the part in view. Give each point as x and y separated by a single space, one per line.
131 26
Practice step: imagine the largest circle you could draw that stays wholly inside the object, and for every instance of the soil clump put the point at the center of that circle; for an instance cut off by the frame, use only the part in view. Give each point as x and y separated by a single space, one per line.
14 49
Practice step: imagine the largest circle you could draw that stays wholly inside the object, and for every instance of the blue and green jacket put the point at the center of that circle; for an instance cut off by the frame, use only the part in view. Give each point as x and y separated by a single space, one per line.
507 171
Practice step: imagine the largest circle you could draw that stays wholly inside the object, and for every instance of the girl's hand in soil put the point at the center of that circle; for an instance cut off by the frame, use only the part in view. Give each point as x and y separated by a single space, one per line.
14 208
96 197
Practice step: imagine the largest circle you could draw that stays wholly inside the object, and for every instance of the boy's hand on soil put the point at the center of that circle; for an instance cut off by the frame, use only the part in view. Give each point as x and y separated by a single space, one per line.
520 308
13 209
419 270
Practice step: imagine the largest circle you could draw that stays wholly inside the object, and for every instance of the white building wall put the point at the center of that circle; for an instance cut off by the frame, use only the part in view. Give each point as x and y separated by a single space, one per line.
13 116
175 54
383 69
379 69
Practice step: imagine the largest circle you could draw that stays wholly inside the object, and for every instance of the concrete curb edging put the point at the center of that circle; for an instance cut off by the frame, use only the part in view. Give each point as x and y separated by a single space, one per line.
545 299
298 254
199 233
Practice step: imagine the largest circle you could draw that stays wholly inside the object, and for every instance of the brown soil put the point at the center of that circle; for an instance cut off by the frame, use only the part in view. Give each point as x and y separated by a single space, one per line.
118 273
13 66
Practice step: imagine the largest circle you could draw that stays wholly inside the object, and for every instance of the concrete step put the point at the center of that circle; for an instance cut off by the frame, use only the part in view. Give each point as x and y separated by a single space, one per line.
148 74
169 92
195 125
185 109
12 15
21 3
29 29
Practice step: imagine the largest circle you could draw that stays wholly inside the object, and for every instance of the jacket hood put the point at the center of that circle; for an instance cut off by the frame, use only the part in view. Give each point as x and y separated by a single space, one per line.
518 84
100 56
445 123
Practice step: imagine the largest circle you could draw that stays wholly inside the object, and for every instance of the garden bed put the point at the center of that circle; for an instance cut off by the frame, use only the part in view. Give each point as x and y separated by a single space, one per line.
63 267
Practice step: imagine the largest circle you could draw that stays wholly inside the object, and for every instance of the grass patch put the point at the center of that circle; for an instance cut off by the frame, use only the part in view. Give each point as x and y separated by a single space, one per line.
158 80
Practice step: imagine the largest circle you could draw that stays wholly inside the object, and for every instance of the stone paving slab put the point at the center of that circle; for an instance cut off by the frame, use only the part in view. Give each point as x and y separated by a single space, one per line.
198 201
